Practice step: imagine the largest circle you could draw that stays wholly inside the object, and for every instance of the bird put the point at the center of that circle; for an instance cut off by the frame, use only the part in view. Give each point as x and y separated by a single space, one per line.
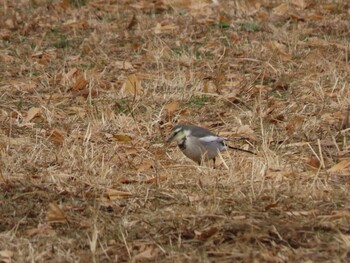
199 144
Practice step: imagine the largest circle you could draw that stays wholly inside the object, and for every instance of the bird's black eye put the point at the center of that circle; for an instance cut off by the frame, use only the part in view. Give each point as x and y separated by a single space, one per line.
176 131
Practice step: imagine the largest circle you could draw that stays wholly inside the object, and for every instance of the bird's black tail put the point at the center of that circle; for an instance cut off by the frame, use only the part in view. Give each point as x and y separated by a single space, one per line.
239 149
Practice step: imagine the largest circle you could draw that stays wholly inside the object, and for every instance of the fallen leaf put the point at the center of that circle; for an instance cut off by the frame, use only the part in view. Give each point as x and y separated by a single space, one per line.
32 112
242 217
266 198
41 230
159 29
281 10
5 58
154 179
281 50
14 141
303 213
302 4
295 124
205 234
85 223
332 7
10 23
132 86
268 207
126 180
65 4
314 162
80 84
172 106
194 198
147 76
6 256
77 24
246 132
56 137
132 22
339 166
185 112
336 215
85 93
145 166
131 151
74 72
147 254
122 137
55 214
125 65
112 194
279 174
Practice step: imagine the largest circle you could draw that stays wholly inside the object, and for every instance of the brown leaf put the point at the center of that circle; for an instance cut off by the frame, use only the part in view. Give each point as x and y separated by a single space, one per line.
42 230
332 7
159 29
55 214
205 234
6 256
336 215
268 207
154 179
246 131
295 124
281 50
80 84
194 198
240 217
132 22
80 24
74 72
13 141
266 198
314 162
112 194
185 112
65 4
85 224
281 10
5 58
148 254
302 4
339 166
56 137
145 166
10 23
303 213
132 86
172 106
131 150
125 65
85 93
32 112
122 137
126 180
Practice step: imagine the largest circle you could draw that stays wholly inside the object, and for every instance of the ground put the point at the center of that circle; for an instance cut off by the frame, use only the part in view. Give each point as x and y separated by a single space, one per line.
89 91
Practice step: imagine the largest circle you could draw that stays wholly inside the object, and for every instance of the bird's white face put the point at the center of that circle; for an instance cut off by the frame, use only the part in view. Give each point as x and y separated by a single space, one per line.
179 135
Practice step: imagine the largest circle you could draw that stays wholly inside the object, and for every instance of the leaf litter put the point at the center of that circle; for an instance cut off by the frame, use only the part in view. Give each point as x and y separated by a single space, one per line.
86 106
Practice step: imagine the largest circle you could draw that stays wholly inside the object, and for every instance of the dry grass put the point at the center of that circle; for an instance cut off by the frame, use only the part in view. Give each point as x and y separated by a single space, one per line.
84 175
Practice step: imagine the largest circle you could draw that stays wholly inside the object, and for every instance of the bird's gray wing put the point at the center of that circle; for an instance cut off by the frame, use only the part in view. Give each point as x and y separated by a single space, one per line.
211 138
200 132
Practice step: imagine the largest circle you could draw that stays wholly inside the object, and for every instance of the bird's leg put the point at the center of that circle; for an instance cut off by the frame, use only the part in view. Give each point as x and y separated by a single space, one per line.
214 163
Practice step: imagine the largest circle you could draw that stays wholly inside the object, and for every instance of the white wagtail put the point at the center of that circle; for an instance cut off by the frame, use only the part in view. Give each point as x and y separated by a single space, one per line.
199 144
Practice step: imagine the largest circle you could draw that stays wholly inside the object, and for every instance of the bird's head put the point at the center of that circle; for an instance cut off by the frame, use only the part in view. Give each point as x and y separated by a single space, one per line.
179 134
